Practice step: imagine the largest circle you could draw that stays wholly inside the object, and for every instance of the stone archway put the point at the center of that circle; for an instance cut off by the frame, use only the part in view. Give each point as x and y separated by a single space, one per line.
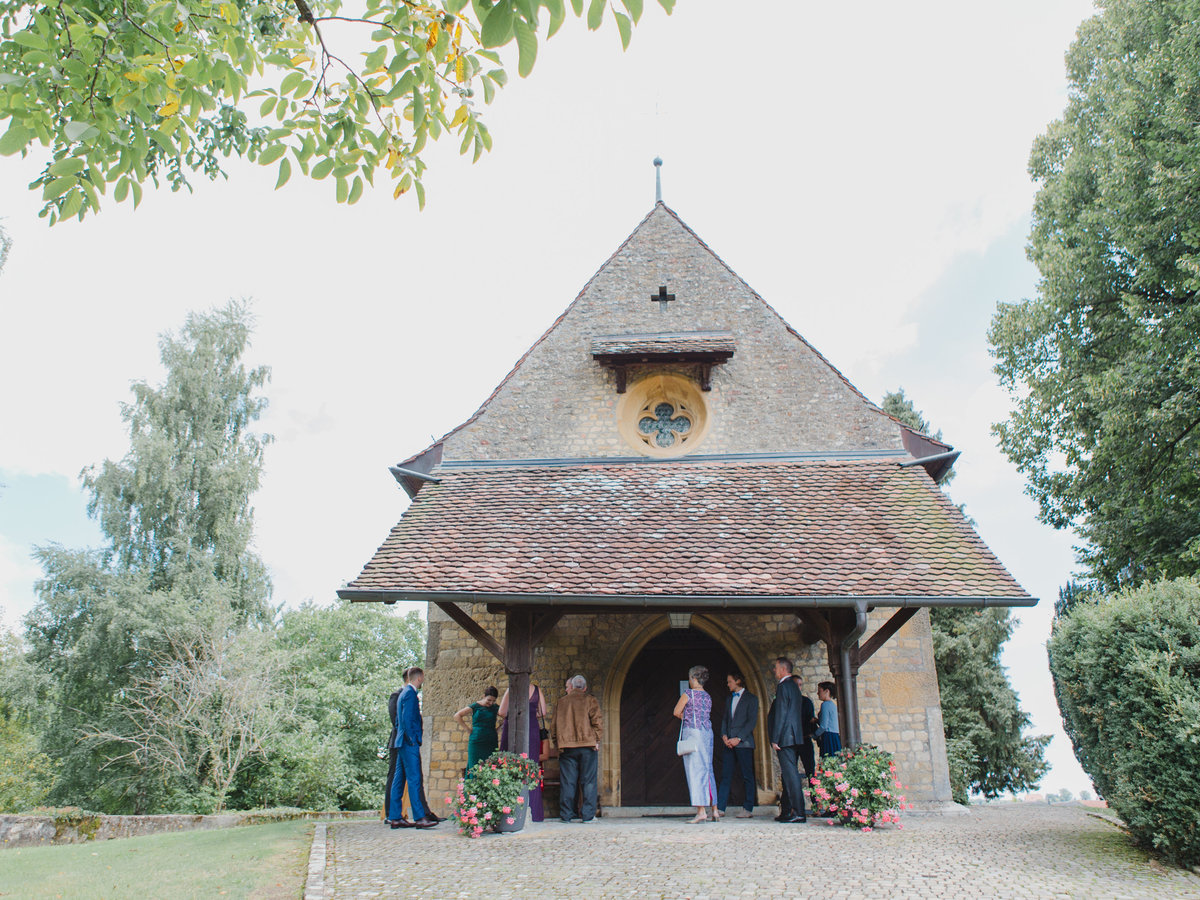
615 684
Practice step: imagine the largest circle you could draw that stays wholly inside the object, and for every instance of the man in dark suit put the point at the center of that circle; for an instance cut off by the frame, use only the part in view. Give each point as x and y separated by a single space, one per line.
737 734
409 734
395 818
808 716
786 729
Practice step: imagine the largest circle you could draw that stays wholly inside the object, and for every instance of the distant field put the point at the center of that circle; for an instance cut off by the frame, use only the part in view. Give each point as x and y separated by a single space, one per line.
263 862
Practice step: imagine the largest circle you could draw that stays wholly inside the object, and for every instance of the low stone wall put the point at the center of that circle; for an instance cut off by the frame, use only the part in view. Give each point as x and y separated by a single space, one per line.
37 831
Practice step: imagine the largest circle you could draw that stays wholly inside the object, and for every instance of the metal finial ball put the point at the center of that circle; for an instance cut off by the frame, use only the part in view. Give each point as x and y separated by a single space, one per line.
658 161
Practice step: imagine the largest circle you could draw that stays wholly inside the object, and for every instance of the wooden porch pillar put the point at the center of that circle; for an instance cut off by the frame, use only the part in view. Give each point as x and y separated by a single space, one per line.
518 663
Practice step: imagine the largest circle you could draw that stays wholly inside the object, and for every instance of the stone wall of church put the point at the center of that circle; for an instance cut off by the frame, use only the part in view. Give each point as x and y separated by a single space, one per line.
776 394
898 692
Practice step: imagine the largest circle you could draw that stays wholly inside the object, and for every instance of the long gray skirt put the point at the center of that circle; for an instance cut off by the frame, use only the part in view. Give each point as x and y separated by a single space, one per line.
698 767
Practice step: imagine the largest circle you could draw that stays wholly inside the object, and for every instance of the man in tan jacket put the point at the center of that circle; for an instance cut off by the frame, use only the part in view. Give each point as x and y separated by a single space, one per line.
577 728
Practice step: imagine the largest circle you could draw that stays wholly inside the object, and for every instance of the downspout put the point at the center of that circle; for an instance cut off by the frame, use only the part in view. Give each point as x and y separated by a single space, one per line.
850 674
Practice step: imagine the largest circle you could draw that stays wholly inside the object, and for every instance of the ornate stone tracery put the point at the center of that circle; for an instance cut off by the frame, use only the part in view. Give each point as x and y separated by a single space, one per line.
663 415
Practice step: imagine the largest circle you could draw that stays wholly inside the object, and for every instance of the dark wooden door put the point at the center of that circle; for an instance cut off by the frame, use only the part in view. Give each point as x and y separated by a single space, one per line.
651 773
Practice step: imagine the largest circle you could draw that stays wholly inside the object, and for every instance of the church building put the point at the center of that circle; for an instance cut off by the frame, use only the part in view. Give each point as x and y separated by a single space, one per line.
673 476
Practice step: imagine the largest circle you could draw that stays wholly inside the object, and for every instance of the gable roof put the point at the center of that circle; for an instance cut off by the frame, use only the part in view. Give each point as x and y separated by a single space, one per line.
655 216
741 533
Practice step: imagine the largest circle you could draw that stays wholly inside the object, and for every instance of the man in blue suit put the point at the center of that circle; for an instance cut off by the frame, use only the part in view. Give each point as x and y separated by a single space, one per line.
785 726
409 733
737 734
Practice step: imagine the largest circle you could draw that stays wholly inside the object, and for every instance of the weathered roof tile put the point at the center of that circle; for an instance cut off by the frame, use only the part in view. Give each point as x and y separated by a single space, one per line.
796 528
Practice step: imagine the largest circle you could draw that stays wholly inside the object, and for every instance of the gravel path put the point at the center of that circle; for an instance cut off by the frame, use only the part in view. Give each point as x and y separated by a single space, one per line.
1017 850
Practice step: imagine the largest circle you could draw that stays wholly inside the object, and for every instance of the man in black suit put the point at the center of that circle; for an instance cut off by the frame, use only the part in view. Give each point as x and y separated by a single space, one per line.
808 760
786 729
737 734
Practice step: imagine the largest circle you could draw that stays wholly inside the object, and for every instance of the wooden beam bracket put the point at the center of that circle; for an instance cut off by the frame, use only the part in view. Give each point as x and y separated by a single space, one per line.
473 628
883 634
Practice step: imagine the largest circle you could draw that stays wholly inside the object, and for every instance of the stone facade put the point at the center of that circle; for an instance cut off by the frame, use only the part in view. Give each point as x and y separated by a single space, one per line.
900 709
776 395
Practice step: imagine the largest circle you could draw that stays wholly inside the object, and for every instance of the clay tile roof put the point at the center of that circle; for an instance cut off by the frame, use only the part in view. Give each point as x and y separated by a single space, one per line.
799 528
667 342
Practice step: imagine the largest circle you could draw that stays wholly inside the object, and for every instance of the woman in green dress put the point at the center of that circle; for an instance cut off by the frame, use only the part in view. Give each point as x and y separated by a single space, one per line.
483 740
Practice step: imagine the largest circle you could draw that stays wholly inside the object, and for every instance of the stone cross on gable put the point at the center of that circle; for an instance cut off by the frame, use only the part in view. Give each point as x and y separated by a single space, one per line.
662 298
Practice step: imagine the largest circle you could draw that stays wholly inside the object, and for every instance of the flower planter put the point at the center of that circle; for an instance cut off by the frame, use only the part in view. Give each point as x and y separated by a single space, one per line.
518 816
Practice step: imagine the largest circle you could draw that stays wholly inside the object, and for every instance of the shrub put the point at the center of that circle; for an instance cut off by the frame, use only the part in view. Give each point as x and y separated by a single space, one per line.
491 791
858 788
1126 673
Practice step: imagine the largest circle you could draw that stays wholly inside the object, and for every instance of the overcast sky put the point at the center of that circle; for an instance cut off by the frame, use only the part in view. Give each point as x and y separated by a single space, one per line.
861 165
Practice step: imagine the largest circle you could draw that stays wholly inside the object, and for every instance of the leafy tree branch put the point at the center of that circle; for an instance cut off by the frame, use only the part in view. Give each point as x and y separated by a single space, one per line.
118 94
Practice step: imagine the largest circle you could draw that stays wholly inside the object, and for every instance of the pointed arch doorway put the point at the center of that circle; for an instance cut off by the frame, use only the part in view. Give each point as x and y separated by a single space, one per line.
651 773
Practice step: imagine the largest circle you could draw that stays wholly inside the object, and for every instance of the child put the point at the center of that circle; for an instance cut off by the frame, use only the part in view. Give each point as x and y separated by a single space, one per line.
827 719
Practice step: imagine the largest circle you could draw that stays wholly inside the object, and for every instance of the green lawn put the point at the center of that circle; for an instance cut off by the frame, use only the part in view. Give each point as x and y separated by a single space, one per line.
265 862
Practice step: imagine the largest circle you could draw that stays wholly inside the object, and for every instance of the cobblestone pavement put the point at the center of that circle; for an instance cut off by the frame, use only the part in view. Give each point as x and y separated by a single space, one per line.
993 851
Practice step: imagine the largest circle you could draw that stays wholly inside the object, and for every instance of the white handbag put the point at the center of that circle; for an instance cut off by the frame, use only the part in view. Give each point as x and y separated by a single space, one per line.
684 747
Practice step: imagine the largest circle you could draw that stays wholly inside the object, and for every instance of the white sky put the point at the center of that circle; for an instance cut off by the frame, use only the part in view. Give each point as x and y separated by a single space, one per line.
861 165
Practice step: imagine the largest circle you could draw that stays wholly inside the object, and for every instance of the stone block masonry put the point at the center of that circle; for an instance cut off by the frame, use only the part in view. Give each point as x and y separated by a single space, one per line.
898 693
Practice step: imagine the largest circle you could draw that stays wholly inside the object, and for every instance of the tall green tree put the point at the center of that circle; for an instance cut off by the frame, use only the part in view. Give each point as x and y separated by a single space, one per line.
986 746
177 507
1104 363
25 772
345 661
124 92
176 515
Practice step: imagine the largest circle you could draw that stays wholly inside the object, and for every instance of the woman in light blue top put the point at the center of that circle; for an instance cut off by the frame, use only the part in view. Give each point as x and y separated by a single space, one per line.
695 709
827 720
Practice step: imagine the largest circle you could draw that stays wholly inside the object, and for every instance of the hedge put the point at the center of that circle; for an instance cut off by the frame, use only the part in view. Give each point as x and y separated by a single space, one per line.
1126 673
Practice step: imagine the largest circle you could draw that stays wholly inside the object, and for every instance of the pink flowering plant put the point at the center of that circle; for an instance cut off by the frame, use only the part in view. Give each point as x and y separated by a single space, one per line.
493 792
858 788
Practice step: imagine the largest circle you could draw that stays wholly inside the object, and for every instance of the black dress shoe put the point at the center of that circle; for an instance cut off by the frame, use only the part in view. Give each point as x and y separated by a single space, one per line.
426 822
782 818
795 820
400 823
434 816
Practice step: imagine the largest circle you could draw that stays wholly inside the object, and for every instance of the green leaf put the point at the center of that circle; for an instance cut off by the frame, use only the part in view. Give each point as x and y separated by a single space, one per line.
323 168
72 165
355 190
59 186
526 46
285 172
79 131
634 7
343 190
595 14
625 27
72 205
122 190
15 139
668 5
577 5
271 154
290 80
498 26
418 110
29 39
558 15
267 106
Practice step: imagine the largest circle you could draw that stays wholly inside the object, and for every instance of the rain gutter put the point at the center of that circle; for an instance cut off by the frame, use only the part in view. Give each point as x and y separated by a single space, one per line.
740 603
